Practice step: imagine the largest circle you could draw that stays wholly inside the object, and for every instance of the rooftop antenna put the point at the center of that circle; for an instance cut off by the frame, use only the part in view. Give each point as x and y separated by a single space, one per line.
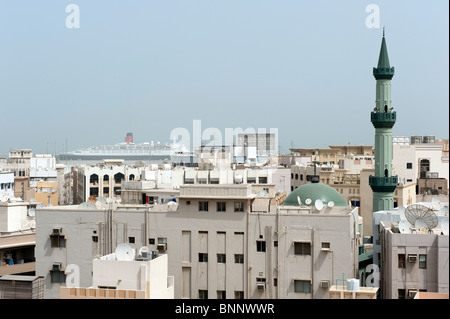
421 217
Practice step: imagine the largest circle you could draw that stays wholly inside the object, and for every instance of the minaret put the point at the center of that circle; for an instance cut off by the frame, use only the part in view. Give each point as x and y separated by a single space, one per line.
383 119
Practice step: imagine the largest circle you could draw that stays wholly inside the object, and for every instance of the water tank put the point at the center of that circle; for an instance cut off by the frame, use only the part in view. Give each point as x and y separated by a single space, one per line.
428 139
353 284
416 139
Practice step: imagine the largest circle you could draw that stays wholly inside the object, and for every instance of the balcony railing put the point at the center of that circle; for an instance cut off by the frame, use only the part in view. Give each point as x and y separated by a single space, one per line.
383 119
383 184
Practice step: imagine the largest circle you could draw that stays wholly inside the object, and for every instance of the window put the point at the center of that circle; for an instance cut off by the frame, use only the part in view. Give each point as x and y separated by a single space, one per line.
239 258
238 206
296 176
303 286
260 246
409 165
355 203
131 240
221 258
221 294
57 274
203 206
401 261
401 293
275 282
423 261
302 248
326 245
275 243
151 241
203 257
238 295
203 294
301 177
221 206
57 240
263 180
95 239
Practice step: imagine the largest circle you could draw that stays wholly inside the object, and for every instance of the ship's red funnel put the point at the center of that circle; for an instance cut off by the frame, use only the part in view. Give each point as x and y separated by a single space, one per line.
129 138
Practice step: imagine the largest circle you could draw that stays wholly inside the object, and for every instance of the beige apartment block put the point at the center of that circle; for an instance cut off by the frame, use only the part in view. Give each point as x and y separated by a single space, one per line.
333 154
412 262
47 193
222 241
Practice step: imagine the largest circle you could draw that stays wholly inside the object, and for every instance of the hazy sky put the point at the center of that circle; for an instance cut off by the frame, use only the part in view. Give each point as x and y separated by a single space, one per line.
147 67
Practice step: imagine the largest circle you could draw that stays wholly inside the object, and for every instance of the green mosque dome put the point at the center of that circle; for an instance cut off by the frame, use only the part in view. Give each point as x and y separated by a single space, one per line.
315 191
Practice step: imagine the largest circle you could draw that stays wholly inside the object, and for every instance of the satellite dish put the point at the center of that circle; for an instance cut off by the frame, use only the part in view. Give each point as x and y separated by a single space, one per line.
444 226
330 204
404 227
3 198
143 249
318 204
435 204
101 200
124 252
308 201
416 212
401 212
87 205
299 201
443 211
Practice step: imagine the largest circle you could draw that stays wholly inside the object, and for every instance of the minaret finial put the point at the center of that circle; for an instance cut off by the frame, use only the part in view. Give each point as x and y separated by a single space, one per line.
383 31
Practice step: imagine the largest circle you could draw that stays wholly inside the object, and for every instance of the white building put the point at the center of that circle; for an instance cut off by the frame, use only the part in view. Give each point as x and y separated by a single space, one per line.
413 161
6 184
17 237
42 169
122 276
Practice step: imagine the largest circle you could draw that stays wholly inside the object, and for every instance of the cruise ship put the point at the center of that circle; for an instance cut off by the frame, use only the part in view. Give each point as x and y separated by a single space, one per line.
130 151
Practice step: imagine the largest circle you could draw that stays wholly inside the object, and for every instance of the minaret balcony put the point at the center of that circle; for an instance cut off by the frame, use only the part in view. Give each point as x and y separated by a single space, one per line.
383 119
383 184
383 73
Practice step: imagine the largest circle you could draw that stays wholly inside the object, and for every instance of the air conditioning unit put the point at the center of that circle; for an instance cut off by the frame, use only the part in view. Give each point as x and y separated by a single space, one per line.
57 266
412 293
57 230
261 286
325 284
162 247
412 258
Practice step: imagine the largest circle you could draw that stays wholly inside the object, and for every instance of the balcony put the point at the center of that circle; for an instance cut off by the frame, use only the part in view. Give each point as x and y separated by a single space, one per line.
383 119
21 268
383 184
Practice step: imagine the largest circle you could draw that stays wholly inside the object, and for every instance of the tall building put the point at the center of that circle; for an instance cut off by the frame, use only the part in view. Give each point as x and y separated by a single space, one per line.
222 241
383 118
